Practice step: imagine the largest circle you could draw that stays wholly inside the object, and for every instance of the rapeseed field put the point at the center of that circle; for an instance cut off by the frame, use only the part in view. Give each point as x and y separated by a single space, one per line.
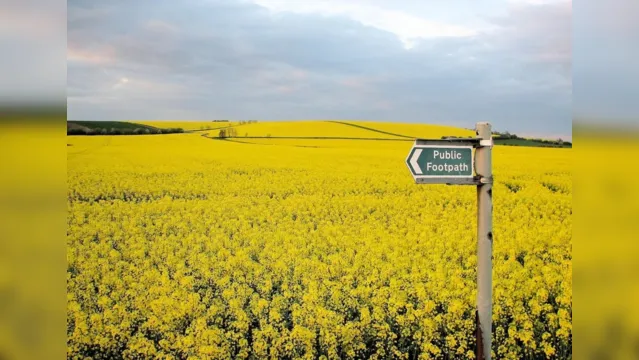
181 246
187 125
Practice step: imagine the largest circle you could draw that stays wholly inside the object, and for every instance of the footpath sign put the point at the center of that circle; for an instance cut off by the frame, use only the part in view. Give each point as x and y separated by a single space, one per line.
443 161
451 161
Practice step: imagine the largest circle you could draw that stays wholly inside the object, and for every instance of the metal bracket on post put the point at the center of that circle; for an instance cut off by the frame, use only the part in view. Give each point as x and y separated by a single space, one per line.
485 180
483 143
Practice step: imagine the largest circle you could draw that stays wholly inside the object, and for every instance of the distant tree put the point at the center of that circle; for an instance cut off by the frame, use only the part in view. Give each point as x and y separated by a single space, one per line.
78 132
122 131
222 134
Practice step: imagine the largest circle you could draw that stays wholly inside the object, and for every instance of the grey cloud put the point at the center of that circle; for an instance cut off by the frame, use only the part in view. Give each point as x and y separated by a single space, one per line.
31 35
225 59
505 76
605 68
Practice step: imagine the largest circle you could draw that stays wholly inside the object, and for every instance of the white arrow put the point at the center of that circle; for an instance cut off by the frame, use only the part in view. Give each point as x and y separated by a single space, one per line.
413 161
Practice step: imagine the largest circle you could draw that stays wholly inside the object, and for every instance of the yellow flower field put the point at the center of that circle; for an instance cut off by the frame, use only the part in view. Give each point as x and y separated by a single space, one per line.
319 128
180 246
415 130
186 125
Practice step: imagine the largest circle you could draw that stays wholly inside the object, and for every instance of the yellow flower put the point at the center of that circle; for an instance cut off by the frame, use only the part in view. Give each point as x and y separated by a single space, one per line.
183 246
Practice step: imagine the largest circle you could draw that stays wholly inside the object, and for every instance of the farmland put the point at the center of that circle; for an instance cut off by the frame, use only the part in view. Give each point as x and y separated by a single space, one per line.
183 245
189 125
323 128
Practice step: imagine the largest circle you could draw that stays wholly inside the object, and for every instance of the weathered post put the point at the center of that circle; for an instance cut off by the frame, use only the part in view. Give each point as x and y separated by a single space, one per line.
449 161
483 168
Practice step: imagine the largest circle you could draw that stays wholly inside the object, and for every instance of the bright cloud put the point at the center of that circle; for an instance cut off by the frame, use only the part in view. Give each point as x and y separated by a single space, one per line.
408 28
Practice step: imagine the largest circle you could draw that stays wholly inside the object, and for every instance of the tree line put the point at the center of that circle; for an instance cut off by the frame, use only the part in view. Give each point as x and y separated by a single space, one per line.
124 131
508 136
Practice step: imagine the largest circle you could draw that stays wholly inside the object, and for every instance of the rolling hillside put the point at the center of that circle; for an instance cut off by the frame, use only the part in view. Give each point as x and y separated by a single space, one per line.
293 133
344 130
412 130
189 125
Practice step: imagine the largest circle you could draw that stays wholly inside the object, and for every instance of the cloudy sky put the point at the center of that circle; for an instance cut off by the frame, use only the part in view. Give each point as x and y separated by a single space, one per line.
606 62
449 62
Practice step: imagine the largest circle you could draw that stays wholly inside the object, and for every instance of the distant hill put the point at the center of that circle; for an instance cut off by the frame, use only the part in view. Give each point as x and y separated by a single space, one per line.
198 125
302 129
369 130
